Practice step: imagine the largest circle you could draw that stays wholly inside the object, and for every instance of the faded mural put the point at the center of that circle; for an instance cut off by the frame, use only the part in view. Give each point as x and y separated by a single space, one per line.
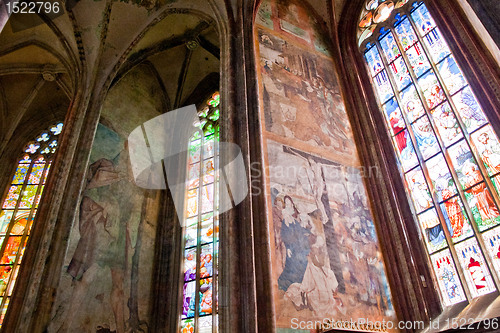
326 258
107 274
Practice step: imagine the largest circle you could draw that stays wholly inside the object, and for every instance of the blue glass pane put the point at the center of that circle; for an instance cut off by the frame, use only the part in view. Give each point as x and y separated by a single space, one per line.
423 20
418 59
433 93
389 47
393 116
451 74
374 62
469 109
405 150
424 135
436 45
400 73
446 124
406 34
384 88
411 104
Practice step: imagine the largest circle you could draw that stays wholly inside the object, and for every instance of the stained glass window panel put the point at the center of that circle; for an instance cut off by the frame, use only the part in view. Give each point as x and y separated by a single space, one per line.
383 85
194 151
406 34
469 109
405 150
455 217
12 196
192 203
393 116
28 197
207 198
451 74
441 178
418 188
446 124
208 171
476 273
448 279
20 174
400 73
433 230
189 299
464 164
205 324
36 173
488 147
483 207
436 45
418 59
374 62
389 47
187 326
423 20
426 140
433 93
492 241
206 296
190 264
5 218
411 104
193 175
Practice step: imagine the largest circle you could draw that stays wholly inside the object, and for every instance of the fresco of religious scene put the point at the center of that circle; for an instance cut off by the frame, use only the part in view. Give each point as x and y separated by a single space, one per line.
327 261
301 96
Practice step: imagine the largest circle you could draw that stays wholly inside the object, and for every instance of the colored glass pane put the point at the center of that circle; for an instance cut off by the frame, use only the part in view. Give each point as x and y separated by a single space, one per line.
432 90
5 218
436 45
411 104
56 130
484 210
464 164
20 174
205 324
207 231
393 116
206 260
405 150
400 73
418 59
189 299
406 34
190 264
191 233
374 62
207 198
12 246
14 278
469 109
389 47
187 326
455 217
193 175
441 177
424 135
209 148
476 273
451 75
492 241
192 203
5 271
418 189
383 86
446 124
44 137
32 148
36 174
423 20
205 296
194 151
486 142
448 279
208 171
433 230
12 196
28 197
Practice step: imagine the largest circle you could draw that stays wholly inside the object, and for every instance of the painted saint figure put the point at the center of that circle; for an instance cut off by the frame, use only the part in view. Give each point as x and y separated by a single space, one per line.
484 201
454 212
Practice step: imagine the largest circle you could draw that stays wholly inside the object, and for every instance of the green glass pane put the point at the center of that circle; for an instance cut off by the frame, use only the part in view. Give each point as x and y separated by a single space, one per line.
28 197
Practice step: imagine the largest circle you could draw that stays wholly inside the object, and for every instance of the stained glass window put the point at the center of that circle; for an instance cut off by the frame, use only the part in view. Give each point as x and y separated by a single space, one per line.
19 208
201 228
448 152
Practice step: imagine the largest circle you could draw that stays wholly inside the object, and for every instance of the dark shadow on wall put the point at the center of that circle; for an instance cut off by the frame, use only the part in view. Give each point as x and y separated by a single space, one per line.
488 12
